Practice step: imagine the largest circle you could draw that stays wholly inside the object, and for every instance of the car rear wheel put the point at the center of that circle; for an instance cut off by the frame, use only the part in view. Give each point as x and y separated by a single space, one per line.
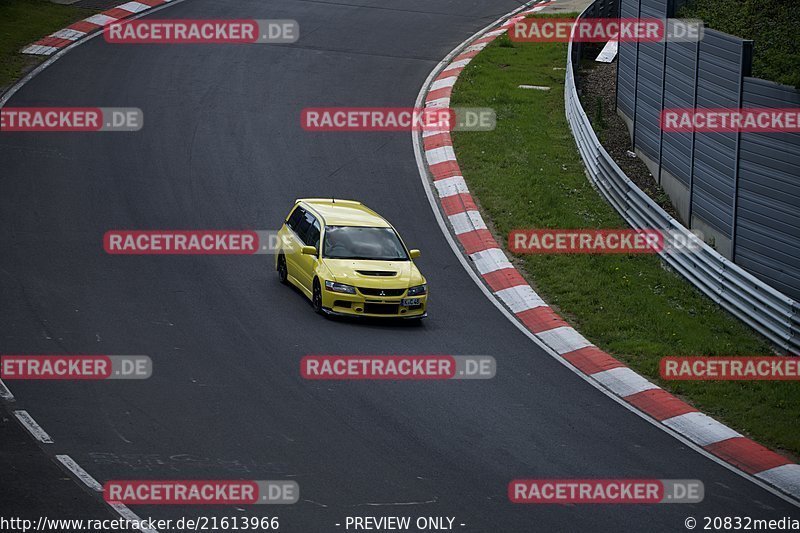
283 272
316 298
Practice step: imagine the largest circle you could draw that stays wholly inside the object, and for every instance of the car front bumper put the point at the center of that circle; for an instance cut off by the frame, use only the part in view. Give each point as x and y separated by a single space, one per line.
342 304
331 312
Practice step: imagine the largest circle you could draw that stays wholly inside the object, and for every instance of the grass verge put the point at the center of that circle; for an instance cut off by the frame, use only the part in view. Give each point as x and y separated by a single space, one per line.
23 22
771 24
528 174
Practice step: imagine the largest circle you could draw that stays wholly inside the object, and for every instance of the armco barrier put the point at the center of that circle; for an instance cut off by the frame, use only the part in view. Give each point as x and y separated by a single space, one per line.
773 314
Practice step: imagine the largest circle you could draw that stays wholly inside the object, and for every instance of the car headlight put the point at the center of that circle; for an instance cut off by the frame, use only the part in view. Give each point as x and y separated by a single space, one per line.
417 290
339 287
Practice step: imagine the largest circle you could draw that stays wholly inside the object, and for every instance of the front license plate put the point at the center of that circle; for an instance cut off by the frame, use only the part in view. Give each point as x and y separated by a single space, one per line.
410 301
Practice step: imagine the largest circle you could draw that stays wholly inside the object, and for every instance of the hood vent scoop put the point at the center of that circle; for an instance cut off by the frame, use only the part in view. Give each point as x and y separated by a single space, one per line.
384 273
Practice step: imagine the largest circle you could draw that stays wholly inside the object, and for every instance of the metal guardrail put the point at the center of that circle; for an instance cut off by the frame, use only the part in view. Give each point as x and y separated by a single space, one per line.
768 311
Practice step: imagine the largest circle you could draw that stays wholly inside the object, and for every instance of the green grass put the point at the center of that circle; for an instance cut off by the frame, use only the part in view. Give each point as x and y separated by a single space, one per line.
23 22
771 24
528 174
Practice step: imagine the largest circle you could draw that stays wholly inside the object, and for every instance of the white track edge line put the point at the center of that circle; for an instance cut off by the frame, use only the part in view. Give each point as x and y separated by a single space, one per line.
87 479
79 472
5 392
33 426
419 154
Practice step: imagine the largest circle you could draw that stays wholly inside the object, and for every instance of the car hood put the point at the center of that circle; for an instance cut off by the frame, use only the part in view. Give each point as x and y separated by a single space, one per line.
363 273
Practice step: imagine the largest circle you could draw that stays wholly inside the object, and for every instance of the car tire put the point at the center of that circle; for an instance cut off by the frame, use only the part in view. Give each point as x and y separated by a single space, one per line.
316 297
283 270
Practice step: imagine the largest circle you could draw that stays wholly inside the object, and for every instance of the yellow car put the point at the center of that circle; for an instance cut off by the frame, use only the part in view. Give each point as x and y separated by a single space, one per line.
348 260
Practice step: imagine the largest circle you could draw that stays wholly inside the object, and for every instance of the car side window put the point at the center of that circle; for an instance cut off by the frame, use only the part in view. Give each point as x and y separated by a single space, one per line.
303 224
294 218
312 237
304 227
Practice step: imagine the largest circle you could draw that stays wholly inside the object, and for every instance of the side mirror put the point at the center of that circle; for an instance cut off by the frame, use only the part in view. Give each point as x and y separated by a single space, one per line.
308 250
414 253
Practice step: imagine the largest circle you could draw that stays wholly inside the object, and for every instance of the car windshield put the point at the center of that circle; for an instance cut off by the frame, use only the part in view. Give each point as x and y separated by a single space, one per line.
352 242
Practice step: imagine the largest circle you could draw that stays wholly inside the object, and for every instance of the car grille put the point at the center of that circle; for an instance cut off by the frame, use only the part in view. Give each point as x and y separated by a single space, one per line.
381 292
387 273
381 309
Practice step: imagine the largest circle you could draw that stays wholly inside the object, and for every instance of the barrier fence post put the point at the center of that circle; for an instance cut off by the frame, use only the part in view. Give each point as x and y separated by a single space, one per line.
694 136
636 85
745 67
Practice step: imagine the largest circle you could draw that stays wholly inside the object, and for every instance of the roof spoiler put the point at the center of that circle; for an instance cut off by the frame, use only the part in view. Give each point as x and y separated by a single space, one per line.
327 201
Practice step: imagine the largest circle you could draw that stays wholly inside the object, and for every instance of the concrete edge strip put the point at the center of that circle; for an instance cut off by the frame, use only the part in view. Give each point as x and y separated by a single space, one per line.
74 32
501 282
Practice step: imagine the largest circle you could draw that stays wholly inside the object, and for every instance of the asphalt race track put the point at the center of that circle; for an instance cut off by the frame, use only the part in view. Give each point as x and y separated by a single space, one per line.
222 148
